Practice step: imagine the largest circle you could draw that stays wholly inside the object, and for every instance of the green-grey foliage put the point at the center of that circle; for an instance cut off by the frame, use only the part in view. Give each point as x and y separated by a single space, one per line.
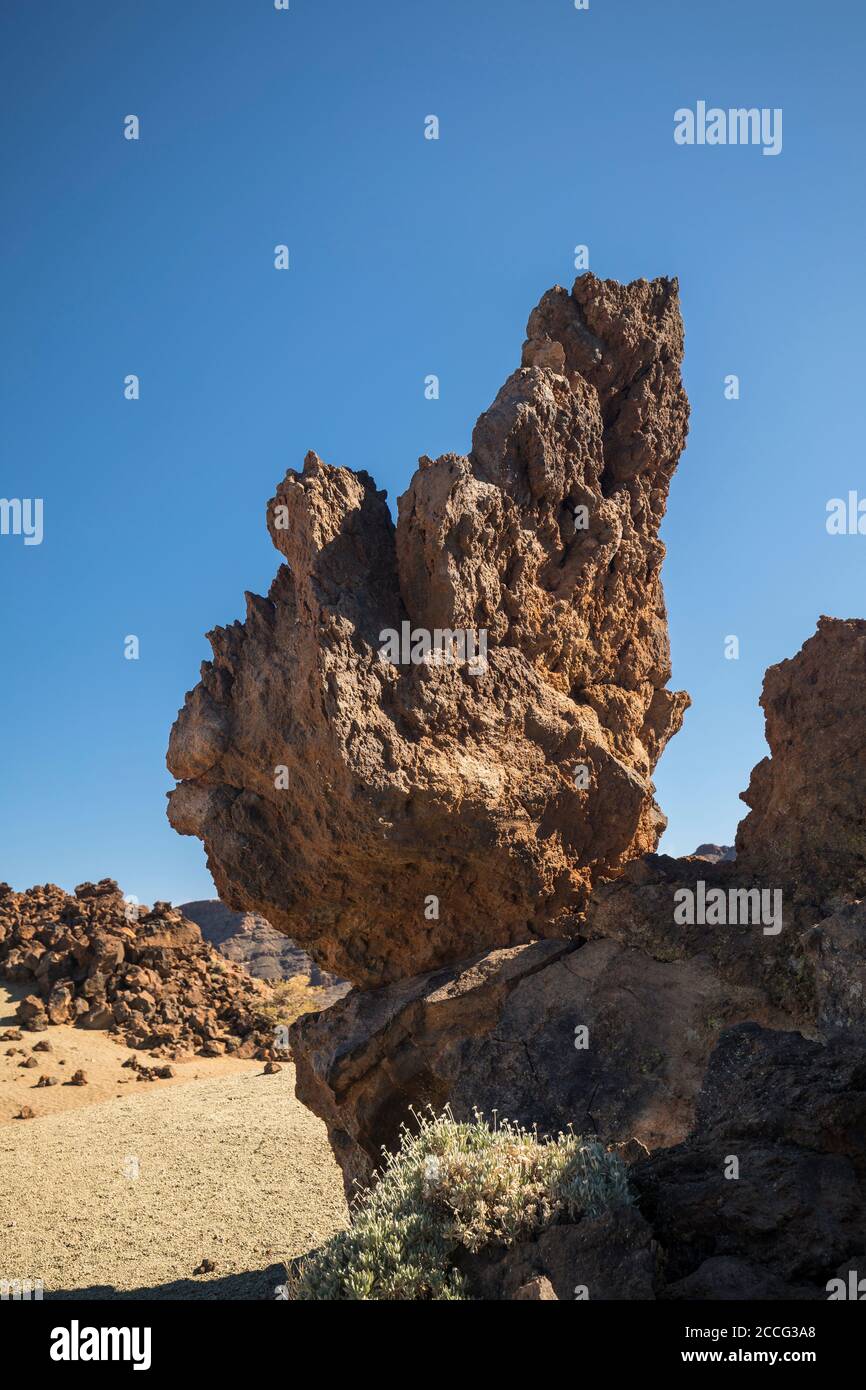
453 1185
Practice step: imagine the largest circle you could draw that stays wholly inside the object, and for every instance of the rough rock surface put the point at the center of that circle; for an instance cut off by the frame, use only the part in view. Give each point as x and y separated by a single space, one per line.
146 976
537 1290
792 1112
806 826
639 909
336 790
500 1034
613 1256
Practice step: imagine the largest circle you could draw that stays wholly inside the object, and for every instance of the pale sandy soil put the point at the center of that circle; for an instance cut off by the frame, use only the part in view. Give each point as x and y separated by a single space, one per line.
93 1052
125 1189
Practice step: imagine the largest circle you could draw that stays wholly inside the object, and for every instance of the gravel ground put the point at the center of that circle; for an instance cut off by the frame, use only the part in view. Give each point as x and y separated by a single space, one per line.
128 1196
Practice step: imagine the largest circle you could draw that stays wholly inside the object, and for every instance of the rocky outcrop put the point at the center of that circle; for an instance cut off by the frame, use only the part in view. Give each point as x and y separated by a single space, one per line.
716 854
466 830
611 1033
398 804
146 976
766 1198
806 827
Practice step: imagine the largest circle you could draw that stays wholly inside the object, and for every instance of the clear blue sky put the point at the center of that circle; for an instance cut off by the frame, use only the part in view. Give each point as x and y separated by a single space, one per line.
408 257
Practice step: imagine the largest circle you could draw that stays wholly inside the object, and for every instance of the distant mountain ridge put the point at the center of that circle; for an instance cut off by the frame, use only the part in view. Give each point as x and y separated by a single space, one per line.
249 940
716 854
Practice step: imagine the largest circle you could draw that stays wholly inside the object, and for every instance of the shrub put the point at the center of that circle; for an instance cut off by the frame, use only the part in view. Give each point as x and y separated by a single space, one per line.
291 998
453 1185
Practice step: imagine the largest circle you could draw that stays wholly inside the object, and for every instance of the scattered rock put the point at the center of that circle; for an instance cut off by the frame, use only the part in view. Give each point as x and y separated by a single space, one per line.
153 1073
47 1081
206 1267
538 1290
78 1078
146 976
31 1010
271 1068
25 1113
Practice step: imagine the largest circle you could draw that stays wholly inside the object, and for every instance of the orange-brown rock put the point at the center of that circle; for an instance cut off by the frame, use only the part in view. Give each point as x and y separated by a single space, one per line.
806 826
393 814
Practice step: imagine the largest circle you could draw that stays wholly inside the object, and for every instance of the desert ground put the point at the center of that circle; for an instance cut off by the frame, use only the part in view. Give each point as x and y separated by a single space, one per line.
121 1188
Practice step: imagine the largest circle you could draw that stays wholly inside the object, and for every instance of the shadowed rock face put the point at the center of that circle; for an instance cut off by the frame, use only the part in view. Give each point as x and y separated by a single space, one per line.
437 777
792 1112
500 1033
806 824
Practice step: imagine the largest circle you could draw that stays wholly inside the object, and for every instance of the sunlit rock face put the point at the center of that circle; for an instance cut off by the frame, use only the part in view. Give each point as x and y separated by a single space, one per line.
436 738
806 828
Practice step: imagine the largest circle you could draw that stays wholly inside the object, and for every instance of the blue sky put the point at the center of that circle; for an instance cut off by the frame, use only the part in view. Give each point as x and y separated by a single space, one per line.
408 257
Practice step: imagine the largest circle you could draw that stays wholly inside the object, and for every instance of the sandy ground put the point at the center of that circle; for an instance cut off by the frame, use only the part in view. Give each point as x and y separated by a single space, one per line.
93 1052
123 1190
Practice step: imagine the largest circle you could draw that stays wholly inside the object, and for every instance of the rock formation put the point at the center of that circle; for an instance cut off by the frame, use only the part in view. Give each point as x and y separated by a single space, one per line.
146 976
357 777
424 827
806 826
716 854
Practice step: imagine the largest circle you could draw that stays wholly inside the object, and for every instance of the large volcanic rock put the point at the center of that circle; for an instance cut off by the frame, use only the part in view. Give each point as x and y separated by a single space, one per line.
792 1213
518 946
806 826
390 815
